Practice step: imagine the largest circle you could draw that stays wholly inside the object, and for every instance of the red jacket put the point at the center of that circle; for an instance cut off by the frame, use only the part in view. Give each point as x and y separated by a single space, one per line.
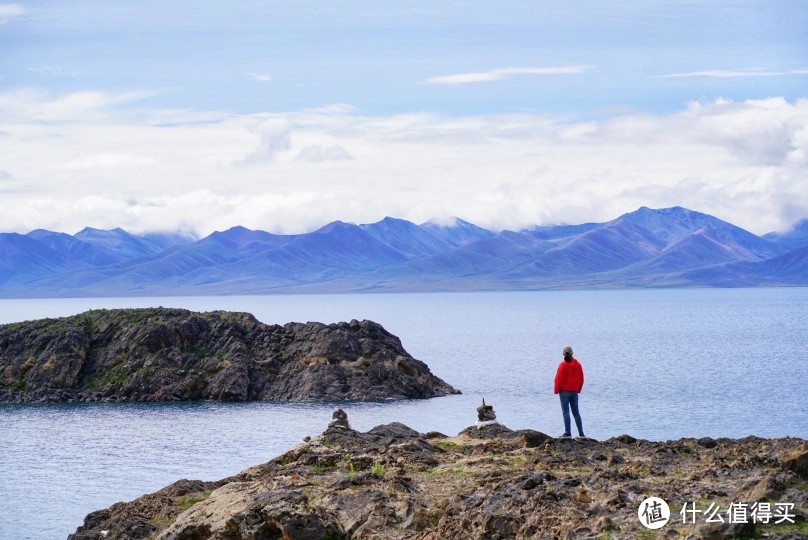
569 377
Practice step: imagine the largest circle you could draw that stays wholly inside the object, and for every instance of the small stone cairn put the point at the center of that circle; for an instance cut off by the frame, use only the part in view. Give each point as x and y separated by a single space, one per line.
486 415
339 419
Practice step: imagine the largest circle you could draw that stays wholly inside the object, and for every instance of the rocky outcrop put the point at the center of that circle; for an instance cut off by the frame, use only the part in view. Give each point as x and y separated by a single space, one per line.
487 482
165 354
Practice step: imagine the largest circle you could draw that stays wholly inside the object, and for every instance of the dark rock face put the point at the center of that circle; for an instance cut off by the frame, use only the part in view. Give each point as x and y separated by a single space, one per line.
488 483
137 519
165 354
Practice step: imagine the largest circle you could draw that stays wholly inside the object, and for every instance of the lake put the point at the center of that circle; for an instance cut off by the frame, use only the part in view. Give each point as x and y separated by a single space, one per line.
659 364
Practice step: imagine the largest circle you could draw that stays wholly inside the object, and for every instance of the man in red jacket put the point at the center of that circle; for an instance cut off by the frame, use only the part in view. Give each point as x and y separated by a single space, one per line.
569 381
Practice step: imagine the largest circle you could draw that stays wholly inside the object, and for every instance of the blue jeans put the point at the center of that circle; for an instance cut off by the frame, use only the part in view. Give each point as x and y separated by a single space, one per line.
569 400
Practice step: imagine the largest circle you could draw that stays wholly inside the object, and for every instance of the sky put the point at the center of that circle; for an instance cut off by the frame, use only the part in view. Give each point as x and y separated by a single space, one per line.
283 116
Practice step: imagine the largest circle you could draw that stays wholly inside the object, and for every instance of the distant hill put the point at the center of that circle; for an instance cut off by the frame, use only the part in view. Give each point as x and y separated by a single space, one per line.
128 246
668 247
792 239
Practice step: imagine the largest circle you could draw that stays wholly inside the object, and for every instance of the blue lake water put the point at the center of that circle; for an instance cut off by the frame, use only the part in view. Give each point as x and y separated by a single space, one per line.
659 364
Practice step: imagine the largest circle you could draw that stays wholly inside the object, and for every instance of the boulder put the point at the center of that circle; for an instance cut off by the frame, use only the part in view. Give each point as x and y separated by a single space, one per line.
796 460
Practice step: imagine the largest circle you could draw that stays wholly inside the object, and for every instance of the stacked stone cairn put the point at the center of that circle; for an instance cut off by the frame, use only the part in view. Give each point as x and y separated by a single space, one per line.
486 415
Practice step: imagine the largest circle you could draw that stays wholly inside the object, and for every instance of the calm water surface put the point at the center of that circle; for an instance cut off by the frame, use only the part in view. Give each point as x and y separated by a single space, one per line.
659 364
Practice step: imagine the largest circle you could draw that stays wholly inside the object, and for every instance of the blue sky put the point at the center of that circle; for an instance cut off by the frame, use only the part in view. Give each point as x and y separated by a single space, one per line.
285 115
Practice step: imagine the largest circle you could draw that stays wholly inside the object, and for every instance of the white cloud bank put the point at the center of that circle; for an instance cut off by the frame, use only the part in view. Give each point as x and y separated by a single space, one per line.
504 73
260 77
734 74
102 160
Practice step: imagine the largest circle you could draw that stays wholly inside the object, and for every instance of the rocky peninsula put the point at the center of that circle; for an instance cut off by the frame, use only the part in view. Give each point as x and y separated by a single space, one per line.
164 354
487 482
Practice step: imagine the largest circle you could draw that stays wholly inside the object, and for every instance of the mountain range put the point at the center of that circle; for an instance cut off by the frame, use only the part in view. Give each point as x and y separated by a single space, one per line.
669 247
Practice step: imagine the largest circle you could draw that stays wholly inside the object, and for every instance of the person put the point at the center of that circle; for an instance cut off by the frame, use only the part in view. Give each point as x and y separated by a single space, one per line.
569 381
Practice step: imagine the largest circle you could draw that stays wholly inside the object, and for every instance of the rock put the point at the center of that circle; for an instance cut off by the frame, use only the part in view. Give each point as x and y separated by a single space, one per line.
486 431
767 488
133 520
707 442
531 438
582 496
161 354
796 460
393 482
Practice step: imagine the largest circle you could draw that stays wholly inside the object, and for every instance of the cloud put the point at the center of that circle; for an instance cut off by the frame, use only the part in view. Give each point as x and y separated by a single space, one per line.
10 11
732 74
32 104
112 162
504 73
275 138
317 154
260 77
55 71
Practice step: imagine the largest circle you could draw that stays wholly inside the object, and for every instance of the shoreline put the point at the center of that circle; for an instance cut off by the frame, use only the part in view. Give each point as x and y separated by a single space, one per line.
488 482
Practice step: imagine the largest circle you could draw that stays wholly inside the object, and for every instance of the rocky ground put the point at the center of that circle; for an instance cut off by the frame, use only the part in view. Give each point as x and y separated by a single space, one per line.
161 354
484 483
